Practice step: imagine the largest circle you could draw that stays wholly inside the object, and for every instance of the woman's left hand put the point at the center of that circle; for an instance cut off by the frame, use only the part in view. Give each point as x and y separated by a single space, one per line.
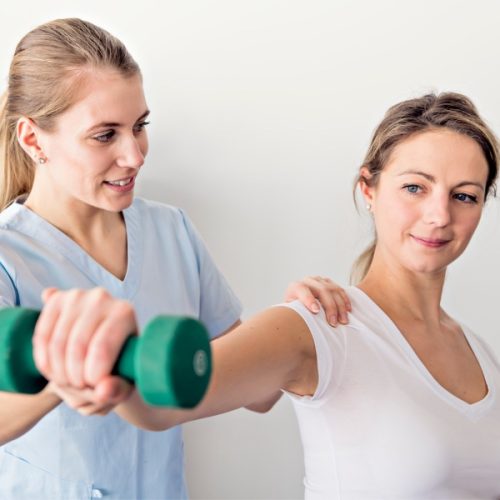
316 291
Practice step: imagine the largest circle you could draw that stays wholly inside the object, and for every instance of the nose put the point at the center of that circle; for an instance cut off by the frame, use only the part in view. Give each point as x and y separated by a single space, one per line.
438 210
132 152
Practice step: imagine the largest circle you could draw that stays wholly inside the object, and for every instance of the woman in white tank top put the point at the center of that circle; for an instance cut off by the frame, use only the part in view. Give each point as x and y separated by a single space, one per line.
402 402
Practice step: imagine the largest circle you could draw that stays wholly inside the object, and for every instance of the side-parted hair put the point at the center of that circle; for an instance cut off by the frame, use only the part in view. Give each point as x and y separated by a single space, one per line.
49 66
447 110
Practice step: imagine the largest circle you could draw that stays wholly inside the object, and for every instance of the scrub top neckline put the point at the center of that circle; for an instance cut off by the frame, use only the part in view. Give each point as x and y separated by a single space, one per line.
471 410
44 232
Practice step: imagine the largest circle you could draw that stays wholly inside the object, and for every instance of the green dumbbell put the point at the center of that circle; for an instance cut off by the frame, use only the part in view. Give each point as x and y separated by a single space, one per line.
170 363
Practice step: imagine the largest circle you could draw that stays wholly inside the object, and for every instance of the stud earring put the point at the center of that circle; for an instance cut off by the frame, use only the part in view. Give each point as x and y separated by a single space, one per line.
369 207
42 160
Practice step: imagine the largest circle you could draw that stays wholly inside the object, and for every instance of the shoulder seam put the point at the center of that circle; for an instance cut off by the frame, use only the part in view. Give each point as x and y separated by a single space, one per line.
16 292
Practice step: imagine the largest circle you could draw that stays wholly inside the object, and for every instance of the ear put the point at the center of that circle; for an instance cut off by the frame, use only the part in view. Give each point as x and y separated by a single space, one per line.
366 190
28 136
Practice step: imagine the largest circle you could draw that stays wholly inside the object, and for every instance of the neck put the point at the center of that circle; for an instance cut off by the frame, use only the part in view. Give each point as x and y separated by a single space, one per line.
83 223
404 294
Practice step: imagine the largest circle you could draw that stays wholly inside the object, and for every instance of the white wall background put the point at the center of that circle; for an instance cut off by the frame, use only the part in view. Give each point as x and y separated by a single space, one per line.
261 112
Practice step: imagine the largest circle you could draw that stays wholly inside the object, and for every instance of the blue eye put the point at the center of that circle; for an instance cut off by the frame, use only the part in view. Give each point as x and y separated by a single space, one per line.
105 137
412 188
465 198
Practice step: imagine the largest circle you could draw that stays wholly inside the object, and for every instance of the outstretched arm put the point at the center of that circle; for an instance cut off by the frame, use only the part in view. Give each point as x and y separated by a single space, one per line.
80 333
272 351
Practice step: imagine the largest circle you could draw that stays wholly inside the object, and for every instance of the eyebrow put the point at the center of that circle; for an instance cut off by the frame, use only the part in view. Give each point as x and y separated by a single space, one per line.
433 179
115 124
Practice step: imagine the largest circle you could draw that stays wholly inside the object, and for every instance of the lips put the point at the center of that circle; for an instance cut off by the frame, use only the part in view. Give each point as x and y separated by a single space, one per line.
430 242
120 182
121 185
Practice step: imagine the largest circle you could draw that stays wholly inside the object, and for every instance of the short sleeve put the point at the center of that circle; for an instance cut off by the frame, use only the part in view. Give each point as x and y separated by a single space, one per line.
9 296
330 345
219 306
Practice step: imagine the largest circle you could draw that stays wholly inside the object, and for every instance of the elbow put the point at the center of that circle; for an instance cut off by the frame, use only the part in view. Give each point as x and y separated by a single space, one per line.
266 405
260 407
155 426
154 423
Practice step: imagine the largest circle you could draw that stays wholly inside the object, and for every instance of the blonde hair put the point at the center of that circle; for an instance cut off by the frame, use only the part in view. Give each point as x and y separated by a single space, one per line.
448 110
49 65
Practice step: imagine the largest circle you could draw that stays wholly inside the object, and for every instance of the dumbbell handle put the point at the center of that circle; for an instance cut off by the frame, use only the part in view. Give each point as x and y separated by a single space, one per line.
170 362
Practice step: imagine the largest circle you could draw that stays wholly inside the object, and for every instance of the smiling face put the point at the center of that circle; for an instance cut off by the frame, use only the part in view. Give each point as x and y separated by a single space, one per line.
428 200
98 145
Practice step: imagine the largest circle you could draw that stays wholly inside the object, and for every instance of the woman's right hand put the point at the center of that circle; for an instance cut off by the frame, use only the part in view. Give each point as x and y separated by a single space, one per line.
314 291
76 342
107 394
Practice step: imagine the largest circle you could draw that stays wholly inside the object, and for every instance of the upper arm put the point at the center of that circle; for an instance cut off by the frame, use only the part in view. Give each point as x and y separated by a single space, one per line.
270 351
235 325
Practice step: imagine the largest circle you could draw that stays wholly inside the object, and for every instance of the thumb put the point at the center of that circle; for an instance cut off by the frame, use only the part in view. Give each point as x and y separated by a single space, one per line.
112 390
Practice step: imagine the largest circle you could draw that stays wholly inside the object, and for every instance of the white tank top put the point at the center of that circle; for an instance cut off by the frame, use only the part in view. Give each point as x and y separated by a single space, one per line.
380 427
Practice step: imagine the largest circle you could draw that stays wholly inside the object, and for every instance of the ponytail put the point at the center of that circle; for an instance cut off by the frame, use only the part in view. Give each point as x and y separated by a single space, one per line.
362 264
16 168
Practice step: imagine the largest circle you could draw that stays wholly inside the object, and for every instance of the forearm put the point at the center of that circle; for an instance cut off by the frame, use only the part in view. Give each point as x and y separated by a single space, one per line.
20 412
136 412
250 364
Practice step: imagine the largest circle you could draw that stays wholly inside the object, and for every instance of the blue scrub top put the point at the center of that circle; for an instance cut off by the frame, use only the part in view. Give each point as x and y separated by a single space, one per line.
69 456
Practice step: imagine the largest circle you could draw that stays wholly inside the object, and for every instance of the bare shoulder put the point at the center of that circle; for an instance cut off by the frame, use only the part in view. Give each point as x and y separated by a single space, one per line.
284 325
278 327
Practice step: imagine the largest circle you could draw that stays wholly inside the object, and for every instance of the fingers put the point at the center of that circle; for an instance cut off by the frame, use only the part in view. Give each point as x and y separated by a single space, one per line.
301 290
95 314
337 310
109 392
107 341
79 335
43 331
61 324
47 293
100 400
82 401
112 391
315 290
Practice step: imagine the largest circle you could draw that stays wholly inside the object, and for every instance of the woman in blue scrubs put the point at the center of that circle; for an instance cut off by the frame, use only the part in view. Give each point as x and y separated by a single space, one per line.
73 130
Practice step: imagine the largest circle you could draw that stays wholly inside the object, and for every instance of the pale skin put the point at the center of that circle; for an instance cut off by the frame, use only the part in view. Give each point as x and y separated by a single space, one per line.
426 206
413 272
100 138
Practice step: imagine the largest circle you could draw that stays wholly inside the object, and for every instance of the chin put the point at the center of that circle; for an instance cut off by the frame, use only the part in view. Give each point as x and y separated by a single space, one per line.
437 266
118 205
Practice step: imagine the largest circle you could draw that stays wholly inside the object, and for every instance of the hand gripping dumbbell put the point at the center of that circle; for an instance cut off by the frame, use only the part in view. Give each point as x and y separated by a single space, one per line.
170 363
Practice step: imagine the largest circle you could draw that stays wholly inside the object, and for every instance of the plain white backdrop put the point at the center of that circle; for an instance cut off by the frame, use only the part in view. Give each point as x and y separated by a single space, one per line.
262 111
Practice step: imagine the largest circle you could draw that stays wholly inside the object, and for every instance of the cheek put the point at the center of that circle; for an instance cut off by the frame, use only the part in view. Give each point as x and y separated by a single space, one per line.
144 144
470 223
394 216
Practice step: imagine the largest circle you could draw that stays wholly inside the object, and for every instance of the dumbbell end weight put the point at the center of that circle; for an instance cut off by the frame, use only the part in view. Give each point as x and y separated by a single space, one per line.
173 362
18 372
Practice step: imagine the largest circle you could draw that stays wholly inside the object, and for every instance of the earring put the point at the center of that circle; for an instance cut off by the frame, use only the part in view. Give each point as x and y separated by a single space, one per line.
369 207
42 160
